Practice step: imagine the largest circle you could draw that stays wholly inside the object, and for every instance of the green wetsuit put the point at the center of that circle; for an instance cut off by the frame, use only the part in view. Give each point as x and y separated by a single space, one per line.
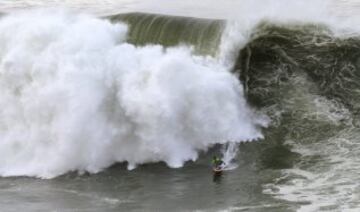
217 162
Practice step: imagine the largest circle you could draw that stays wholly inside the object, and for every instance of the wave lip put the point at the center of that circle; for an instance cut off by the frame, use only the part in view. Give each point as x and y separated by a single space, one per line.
144 29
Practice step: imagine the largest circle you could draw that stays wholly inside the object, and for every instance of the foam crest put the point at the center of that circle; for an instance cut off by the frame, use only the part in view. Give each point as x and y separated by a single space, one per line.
76 97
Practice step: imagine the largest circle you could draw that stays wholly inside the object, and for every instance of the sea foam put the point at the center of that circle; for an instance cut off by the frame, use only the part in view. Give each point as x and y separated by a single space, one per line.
74 96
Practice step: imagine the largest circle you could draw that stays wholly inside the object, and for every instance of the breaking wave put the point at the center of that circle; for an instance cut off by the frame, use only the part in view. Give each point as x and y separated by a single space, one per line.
75 96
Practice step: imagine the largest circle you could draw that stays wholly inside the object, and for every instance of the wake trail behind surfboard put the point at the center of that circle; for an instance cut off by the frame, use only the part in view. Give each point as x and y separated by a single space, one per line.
229 152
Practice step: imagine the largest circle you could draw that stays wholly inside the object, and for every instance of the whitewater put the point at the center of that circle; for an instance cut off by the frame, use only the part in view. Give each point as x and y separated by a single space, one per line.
116 105
74 92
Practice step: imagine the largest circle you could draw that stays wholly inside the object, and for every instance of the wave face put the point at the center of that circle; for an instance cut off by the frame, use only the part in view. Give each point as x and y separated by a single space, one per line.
307 81
203 34
75 96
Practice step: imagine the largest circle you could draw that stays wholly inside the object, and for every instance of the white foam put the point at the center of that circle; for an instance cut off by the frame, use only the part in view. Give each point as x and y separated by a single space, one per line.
75 96
331 183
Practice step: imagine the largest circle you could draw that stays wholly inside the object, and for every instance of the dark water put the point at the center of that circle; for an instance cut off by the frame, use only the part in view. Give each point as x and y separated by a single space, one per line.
307 80
148 188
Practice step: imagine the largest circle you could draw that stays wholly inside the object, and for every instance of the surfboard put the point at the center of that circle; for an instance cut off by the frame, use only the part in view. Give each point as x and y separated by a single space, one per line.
217 170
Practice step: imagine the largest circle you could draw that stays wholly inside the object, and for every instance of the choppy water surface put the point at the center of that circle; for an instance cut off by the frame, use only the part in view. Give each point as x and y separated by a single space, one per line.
153 187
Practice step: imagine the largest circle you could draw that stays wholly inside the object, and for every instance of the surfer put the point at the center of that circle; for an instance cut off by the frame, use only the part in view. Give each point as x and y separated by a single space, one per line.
217 162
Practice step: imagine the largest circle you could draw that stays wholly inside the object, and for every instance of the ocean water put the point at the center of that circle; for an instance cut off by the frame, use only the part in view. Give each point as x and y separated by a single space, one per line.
120 105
